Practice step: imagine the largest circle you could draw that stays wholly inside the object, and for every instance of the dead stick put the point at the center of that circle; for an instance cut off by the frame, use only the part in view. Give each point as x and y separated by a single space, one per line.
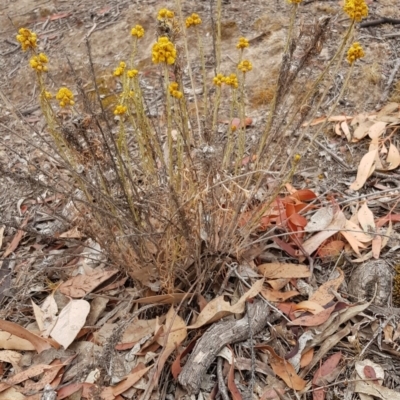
216 338
380 21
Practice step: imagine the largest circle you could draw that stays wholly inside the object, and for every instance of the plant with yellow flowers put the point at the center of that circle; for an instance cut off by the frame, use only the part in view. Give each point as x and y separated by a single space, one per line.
165 190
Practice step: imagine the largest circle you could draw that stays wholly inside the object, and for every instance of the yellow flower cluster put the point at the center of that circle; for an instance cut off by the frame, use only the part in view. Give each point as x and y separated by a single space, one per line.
194 19
65 97
356 9
243 43
245 66
163 51
132 73
355 52
27 39
48 95
119 70
232 80
137 31
173 89
219 79
165 13
37 62
120 110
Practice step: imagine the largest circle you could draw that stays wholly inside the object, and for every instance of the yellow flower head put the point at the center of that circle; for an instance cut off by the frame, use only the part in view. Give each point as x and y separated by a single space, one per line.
120 69
137 31
243 43
355 52
165 13
245 66
219 79
120 110
297 158
65 97
132 73
232 80
356 9
37 62
173 90
48 95
295 1
194 19
163 51
27 39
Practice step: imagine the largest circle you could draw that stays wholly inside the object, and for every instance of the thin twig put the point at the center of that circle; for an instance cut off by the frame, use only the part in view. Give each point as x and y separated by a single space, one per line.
223 391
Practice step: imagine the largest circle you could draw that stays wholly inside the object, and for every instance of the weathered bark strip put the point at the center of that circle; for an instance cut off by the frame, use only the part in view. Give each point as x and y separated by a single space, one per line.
218 336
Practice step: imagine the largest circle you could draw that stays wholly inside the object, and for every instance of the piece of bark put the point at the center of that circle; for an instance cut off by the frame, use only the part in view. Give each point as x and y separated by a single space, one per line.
374 275
218 336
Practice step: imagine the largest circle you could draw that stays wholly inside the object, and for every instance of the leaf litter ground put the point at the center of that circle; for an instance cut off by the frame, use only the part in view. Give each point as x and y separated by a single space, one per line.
73 325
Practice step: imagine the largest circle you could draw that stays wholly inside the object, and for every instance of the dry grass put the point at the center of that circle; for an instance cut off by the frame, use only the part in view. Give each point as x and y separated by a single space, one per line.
164 197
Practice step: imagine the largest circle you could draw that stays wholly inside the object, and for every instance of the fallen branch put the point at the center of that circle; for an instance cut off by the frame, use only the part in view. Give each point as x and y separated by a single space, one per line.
380 21
218 336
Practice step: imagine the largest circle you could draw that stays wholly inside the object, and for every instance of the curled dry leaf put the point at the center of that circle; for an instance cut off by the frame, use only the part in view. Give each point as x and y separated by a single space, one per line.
376 130
323 373
236 395
171 298
70 321
313 320
111 392
22 376
376 390
219 308
312 244
320 220
306 358
38 343
12 393
138 329
48 376
176 365
277 296
87 390
81 285
174 333
366 219
278 270
11 357
376 246
388 109
46 315
393 157
362 130
310 306
285 370
324 293
353 242
17 238
367 369
365 169
356 231
331 249
346 130
12 342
